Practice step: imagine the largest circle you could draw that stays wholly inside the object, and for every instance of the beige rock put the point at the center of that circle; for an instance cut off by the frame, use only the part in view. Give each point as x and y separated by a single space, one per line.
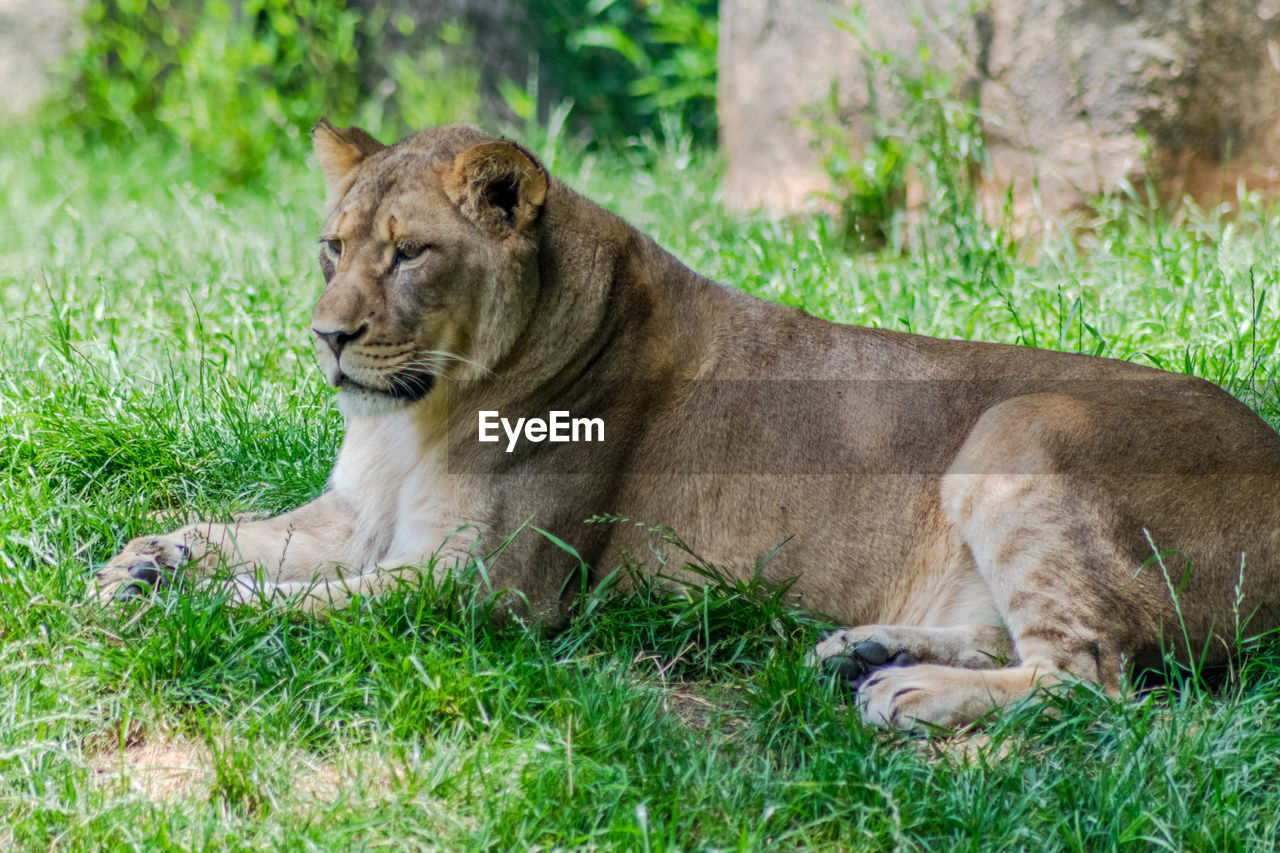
34 36
1072 92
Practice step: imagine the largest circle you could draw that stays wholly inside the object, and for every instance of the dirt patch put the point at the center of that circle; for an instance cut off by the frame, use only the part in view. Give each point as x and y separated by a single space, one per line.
699 710
168 768
160 769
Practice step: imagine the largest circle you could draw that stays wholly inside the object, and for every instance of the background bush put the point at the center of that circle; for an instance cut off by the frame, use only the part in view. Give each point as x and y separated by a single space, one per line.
623 63
227 80
235 82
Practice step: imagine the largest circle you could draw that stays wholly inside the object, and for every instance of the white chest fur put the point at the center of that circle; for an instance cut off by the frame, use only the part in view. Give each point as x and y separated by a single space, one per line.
407 504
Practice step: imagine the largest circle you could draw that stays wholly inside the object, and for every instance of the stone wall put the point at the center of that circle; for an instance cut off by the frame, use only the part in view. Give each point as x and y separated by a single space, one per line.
1071 91
34 37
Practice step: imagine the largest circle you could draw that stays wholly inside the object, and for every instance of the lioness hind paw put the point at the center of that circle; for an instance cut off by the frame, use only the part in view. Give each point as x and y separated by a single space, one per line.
929 696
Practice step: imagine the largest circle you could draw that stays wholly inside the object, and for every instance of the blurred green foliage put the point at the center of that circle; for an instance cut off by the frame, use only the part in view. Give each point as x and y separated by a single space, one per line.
238 80
433 85
229 80
623 63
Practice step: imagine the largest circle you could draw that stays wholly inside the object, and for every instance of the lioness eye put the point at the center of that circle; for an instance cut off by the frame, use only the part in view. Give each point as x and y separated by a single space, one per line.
408 252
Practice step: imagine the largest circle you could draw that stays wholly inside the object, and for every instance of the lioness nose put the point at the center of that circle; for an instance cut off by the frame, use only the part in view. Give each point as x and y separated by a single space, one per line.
339 338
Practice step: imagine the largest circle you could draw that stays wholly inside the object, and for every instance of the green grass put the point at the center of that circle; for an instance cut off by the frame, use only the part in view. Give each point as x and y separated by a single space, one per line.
154 361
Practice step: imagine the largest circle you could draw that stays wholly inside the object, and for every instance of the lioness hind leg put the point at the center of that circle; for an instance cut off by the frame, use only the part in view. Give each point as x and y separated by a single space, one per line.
1073 602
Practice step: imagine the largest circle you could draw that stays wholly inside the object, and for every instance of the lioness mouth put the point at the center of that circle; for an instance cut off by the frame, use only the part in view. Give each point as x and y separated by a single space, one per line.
409 389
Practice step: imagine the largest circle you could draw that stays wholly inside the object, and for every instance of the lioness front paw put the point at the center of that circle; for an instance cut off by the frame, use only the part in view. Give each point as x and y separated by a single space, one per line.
852 656
146 564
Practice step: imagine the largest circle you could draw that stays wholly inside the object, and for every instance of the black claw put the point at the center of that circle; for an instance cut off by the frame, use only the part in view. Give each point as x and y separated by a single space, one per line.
150 575
903 658
850 671
872 653
128 591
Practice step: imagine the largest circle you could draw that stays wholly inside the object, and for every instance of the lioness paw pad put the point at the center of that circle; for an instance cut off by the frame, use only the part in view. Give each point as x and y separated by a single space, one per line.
853 661
145 564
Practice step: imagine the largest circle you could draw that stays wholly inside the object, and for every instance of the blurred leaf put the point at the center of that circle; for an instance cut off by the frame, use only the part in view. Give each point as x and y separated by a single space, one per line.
518 100
610 38
629 63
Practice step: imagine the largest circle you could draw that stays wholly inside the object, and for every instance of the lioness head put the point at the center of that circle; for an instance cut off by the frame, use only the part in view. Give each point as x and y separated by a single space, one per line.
429 260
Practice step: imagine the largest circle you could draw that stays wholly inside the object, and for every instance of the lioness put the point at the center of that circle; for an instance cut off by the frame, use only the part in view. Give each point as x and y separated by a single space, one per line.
989 517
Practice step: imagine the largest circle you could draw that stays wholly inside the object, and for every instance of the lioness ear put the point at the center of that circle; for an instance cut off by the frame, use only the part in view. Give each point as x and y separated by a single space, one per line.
339 150
498 185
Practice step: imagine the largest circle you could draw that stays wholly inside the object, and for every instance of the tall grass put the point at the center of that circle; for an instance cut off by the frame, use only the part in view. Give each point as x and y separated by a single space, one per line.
154 362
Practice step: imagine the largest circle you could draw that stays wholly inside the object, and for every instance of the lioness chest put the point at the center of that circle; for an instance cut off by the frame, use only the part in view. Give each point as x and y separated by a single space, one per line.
408 506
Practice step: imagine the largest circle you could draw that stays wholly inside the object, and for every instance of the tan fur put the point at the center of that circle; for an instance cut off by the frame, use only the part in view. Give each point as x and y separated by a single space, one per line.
339 151
988 509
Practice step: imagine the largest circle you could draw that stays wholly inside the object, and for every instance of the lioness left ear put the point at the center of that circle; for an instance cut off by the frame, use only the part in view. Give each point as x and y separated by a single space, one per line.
339 150
498 185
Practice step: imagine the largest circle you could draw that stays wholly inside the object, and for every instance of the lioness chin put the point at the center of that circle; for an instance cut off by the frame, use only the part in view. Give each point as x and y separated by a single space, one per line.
988 517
